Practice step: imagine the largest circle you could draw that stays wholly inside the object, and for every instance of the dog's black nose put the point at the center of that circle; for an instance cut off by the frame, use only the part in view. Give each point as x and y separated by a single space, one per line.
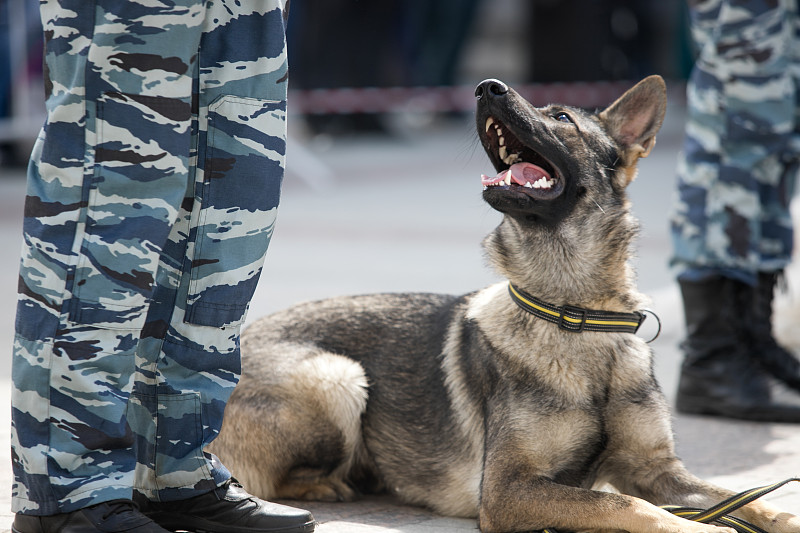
490 87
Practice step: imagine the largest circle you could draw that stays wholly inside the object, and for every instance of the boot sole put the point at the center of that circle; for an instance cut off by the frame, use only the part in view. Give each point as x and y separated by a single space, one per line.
704 406
173 525
306 528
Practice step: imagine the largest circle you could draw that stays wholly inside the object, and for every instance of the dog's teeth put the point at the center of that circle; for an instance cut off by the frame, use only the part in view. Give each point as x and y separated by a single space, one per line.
528 184
503 152
489 122
502 141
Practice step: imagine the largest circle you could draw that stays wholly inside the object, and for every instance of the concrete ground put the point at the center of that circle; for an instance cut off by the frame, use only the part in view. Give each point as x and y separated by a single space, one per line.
404 213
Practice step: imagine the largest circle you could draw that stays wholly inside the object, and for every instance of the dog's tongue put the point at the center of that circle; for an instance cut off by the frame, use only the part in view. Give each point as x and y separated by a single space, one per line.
525 174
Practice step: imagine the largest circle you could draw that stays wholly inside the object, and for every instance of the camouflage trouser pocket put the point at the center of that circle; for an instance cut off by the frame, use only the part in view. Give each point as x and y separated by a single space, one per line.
236 201
131 193
169 428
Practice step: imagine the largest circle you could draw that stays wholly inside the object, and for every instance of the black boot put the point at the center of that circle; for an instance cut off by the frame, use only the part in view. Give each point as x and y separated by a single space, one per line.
758 325
117 515
718 376
227 509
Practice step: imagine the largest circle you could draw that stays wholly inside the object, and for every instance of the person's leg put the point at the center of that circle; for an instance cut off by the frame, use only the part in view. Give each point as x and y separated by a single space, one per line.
106 180
741 100
777 233
740 104
189 359
189 354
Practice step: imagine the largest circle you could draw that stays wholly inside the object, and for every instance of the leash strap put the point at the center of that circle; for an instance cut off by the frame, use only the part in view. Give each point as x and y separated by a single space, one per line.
718 513
733 503
726 520
577 319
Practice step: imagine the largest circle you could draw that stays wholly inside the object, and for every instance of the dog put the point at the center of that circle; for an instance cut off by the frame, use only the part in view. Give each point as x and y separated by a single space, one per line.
511 404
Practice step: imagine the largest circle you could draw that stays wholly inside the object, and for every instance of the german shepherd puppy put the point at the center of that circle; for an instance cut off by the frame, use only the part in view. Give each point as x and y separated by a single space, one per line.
472 405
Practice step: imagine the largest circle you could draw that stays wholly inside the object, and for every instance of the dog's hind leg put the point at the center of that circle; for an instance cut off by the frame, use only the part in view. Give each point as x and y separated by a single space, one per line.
297 433
315 484
334 387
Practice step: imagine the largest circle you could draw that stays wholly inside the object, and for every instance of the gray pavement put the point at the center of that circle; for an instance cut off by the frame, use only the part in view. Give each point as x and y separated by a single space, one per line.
404 213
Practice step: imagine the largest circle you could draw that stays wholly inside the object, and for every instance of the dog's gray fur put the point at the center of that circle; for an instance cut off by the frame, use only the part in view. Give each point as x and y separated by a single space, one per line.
467 404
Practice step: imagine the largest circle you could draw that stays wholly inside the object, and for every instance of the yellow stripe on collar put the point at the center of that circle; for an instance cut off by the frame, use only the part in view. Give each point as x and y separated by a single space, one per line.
577 319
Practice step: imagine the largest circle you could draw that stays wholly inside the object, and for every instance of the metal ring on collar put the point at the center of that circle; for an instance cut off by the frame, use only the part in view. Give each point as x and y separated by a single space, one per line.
646 310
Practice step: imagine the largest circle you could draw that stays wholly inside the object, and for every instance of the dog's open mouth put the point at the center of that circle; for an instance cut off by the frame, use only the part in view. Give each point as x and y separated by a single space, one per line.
519 165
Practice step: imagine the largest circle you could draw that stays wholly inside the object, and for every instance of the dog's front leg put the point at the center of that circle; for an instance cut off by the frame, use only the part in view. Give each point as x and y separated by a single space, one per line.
516 496
668 482
641 461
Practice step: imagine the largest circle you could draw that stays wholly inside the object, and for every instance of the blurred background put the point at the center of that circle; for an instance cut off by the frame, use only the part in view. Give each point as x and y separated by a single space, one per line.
445 46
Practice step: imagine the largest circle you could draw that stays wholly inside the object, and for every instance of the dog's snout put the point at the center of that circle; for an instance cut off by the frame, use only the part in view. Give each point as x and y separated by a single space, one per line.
490 88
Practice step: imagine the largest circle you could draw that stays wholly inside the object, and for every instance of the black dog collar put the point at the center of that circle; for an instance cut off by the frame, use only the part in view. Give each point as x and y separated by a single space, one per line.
577 319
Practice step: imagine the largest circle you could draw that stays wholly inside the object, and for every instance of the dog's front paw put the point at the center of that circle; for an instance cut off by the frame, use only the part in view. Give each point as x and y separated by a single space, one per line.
785 523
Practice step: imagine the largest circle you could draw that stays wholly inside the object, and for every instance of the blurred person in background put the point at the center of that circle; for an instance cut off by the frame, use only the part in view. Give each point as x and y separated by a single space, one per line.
391 43
732 230
20 79
152 193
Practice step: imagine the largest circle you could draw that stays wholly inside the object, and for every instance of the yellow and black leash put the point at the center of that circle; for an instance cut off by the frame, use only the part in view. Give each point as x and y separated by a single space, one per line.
720 512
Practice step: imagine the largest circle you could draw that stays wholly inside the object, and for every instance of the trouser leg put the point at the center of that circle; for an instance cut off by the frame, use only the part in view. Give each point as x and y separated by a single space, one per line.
104 184
732 229
189 352
107 182
737 165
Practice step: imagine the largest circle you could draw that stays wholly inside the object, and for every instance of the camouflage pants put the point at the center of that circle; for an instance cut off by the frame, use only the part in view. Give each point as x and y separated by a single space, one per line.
739 164
152 194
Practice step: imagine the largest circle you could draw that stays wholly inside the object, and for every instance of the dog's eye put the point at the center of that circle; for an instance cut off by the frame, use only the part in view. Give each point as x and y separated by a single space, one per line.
562 117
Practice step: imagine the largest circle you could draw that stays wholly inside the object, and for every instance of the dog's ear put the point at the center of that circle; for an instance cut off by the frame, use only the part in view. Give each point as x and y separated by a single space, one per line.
634 119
